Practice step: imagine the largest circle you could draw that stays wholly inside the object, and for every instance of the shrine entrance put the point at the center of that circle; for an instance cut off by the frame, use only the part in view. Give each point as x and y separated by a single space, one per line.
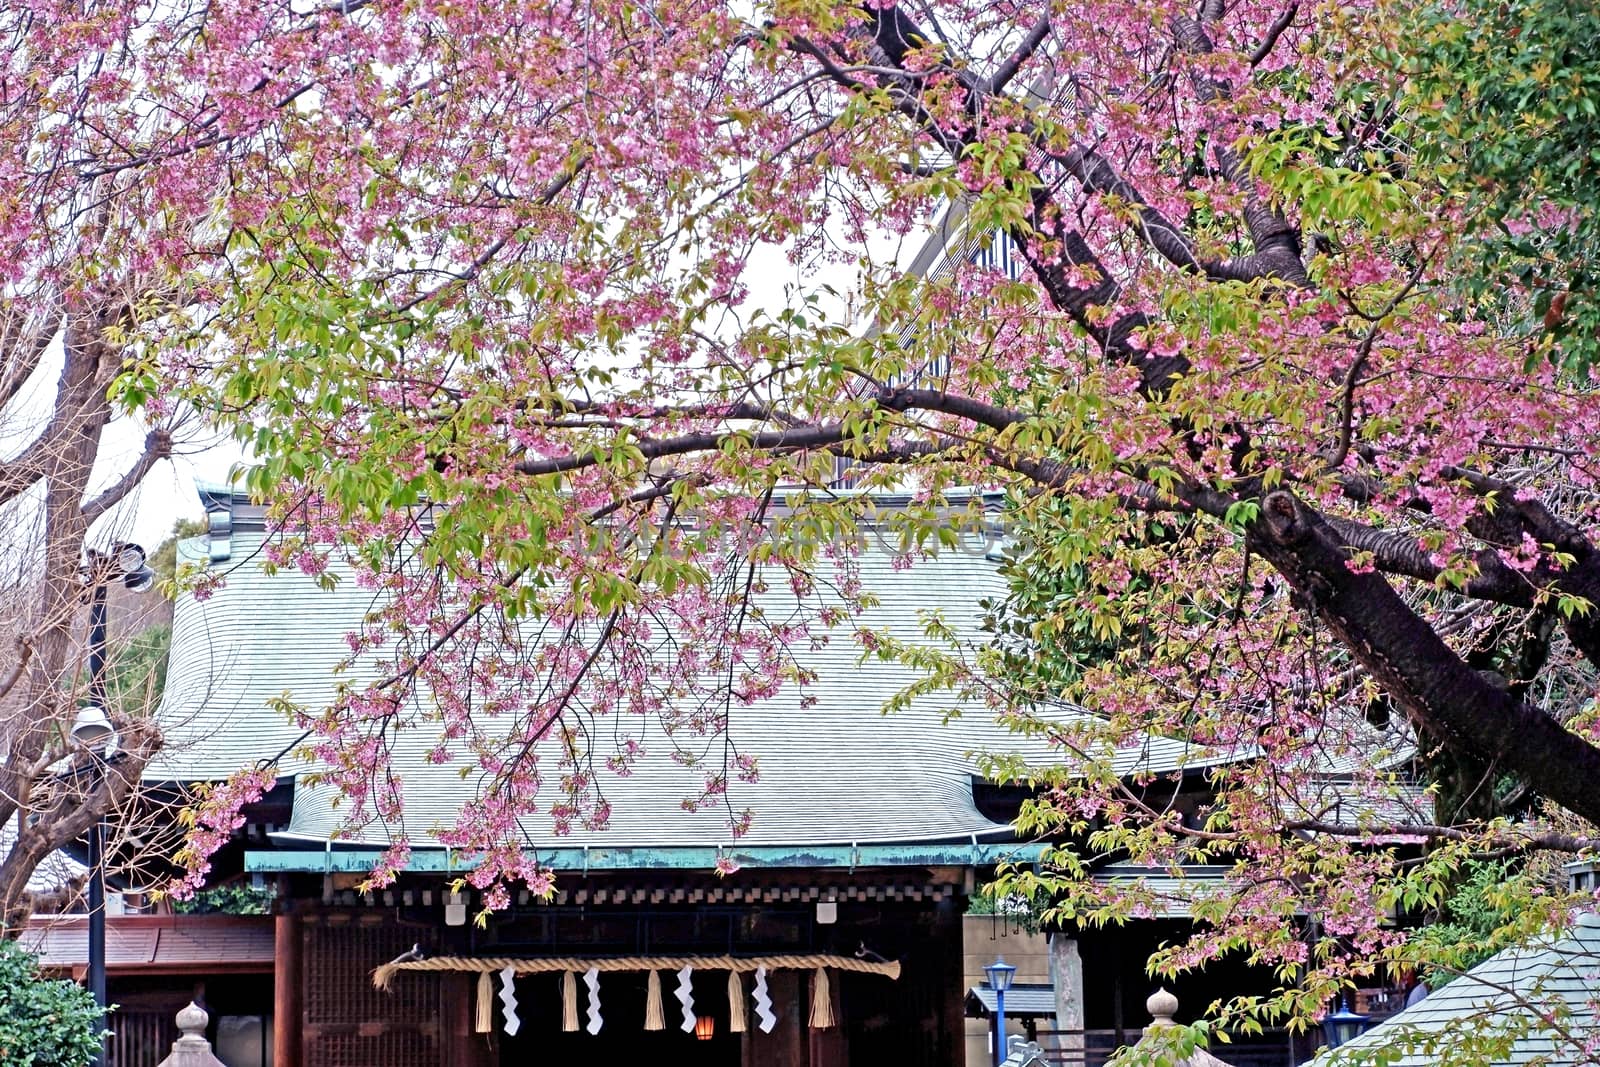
622 1038
859 982
778 1010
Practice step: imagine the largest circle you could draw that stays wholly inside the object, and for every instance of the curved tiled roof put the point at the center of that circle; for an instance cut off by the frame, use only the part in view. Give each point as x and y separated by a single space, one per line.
1497 1013
836 772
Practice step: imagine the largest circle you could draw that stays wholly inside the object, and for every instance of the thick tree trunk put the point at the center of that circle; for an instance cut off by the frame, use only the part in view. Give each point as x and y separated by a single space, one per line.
32 737
1446 699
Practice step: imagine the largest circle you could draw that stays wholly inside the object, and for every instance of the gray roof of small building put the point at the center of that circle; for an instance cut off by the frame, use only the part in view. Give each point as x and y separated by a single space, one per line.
54 872
155 943
836 772
1020 1053
1502 1002
1022 1000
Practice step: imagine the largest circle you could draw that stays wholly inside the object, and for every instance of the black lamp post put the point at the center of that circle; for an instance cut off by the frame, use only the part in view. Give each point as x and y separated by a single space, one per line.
1000 975
1343 1025
92 729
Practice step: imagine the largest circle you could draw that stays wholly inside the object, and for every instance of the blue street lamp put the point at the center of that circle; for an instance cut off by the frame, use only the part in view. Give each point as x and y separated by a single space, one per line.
1000 974
1343 1025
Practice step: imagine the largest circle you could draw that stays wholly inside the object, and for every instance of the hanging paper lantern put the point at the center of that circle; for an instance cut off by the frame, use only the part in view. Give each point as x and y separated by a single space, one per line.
705 1027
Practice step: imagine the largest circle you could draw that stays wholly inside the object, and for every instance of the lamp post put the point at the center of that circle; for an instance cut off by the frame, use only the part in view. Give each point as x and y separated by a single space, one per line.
1000 974
1343 1025
92 729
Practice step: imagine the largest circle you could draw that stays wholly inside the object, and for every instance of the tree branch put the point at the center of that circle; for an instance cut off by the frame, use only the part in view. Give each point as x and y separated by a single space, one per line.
1276 241
1511 517
1556 842
1008 69
790 437
24 654
1279 24
22 346
687 444
69 818
1446 699
157 447
1402 554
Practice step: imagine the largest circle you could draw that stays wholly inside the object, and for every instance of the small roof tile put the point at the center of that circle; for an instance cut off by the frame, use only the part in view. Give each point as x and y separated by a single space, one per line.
1508 995
1022 1000
155 944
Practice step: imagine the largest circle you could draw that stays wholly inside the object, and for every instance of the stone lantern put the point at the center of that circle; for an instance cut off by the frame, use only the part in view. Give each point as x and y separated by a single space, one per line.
1163 1007
192 1049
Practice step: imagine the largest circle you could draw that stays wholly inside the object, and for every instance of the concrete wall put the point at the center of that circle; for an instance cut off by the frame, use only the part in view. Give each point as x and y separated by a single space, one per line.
981 942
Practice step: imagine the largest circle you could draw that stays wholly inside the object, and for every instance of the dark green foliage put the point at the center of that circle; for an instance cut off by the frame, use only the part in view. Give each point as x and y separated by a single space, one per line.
44 1022
235 899
1043 665
1472 921
137 671
1075 598
1015 911
1504 102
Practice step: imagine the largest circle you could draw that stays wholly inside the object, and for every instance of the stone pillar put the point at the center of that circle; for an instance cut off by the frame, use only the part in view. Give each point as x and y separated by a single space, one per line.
192 1049
1066 975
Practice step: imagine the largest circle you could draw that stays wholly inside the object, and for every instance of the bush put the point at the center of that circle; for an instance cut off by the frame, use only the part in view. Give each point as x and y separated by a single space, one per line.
227 900
44 1022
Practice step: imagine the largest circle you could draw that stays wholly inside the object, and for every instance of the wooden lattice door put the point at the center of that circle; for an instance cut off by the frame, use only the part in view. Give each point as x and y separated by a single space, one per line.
347 1022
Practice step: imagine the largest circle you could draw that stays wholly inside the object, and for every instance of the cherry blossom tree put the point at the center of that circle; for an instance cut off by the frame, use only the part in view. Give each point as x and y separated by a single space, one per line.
69 316
498 299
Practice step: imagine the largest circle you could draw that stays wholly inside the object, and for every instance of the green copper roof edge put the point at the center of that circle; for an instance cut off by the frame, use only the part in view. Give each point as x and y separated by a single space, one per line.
442 861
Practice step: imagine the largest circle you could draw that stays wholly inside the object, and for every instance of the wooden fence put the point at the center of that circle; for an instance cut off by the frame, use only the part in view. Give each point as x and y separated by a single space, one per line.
140 1038
1092 1048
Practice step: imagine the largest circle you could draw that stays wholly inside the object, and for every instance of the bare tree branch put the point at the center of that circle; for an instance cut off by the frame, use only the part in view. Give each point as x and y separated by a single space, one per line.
157 447
1279 24
22 347
1013 63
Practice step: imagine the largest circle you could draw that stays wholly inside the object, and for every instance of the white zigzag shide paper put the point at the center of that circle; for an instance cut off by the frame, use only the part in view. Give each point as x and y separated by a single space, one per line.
686 998
763 1002
591 978
508 997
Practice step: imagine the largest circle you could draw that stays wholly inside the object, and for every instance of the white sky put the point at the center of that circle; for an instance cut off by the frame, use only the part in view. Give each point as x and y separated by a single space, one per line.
147 514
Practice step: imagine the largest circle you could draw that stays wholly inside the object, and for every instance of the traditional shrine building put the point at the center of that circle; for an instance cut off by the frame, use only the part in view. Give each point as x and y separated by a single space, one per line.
855 962
837 940
156 964
870 833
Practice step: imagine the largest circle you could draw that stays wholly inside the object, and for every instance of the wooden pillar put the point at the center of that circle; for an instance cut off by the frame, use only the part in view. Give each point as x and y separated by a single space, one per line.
786 1046
951 994
463 1047
286 983
1116 1005
829 1045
